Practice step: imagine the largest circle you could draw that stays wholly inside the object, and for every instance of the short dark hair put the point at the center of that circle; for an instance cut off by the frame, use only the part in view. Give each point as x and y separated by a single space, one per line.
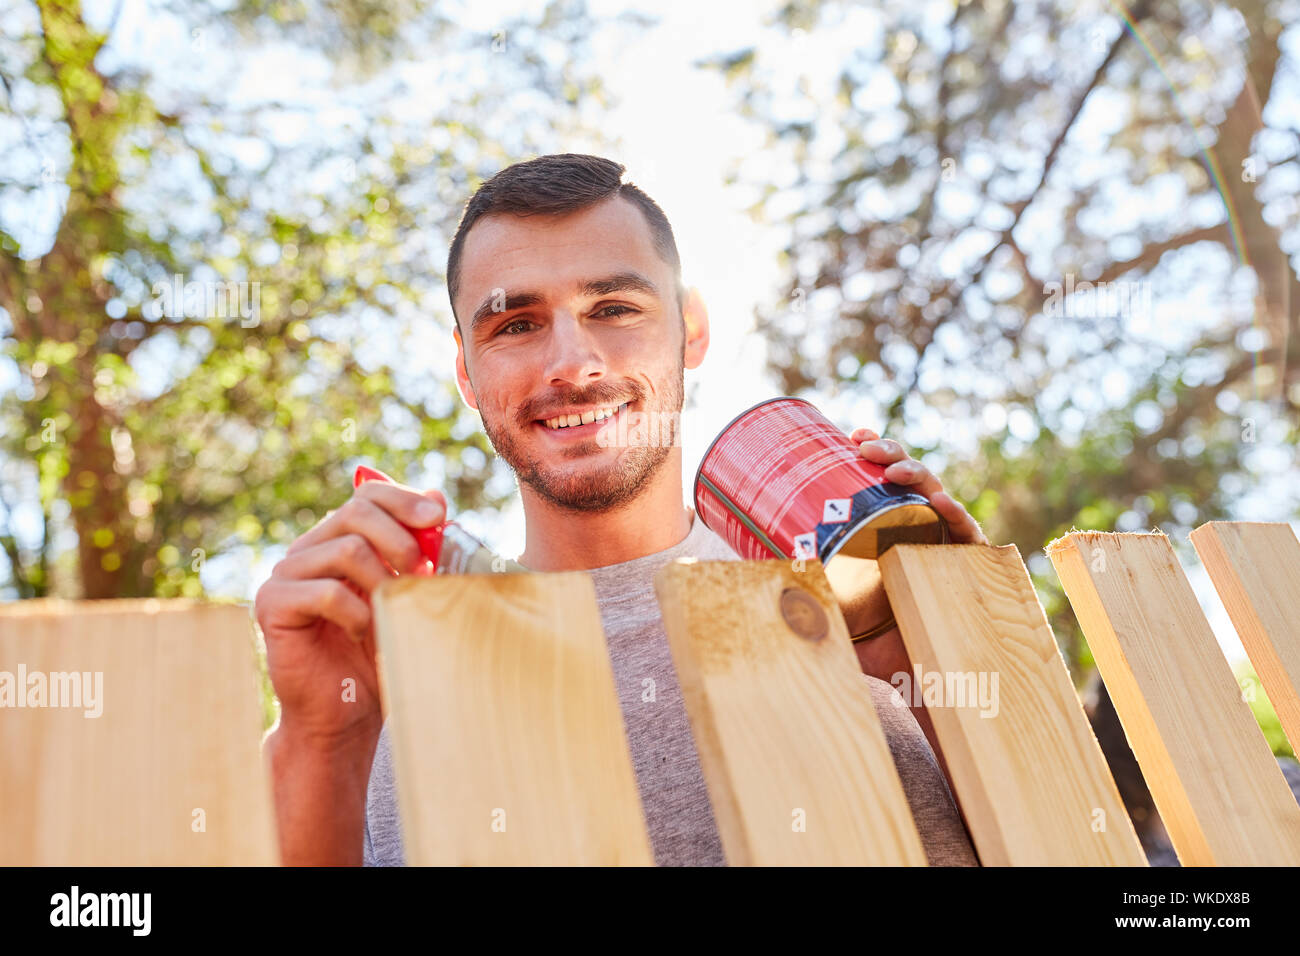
558 183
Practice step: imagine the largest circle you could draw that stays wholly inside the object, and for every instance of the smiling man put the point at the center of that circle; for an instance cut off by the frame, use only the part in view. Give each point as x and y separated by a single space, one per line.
573 334
571 284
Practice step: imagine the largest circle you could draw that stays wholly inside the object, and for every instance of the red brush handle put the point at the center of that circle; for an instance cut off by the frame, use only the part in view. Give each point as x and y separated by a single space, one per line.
429 539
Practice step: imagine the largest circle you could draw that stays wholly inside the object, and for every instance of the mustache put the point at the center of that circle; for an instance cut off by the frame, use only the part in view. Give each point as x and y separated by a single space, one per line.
605 395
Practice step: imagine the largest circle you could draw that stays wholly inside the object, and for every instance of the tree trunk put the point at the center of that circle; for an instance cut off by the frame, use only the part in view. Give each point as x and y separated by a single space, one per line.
97 494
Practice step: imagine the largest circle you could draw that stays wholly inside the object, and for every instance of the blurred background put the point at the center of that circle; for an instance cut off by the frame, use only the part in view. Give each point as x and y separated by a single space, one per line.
1051 248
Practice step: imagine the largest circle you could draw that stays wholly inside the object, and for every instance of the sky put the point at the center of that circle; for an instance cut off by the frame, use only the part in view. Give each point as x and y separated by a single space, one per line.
678 134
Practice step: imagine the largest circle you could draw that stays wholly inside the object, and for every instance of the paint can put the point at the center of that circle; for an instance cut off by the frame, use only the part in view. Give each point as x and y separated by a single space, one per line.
781 481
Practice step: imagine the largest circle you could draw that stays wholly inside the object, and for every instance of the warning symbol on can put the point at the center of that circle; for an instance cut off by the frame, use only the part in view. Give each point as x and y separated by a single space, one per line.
836 510
805 545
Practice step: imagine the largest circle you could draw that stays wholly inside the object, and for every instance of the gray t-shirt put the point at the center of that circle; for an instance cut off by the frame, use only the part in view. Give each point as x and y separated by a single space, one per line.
674 798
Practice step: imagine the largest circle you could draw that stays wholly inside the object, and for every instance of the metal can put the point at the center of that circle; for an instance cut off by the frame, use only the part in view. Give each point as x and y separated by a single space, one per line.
781 481
462 553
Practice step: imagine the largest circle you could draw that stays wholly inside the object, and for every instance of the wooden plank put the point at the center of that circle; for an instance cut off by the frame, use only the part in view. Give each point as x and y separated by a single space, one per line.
1219 790
1025 764
1255 567
508 741
793 753
169 772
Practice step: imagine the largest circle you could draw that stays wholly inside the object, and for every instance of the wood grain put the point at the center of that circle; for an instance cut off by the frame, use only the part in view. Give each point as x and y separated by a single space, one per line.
508 741
1219 790
178 731
1029 774
785 726
1255 568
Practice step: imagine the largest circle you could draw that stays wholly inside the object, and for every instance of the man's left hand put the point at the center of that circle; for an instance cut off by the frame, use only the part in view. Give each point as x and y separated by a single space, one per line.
885 657
903 470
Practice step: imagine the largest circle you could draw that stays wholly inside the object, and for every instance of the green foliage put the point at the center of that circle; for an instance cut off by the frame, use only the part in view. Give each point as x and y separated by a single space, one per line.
311 329
948 186
1262 707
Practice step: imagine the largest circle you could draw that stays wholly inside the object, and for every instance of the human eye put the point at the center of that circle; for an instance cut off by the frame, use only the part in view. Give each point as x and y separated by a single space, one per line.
505 329
614 311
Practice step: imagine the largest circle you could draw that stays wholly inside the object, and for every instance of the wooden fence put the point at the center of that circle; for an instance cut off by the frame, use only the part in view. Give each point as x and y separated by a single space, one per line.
129 735
142 745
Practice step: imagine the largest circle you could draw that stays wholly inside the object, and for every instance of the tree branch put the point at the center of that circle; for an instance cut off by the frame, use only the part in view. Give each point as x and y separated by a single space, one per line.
1049 161
1152 252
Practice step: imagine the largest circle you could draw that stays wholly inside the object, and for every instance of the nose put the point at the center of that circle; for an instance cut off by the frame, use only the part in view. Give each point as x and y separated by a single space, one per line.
573 356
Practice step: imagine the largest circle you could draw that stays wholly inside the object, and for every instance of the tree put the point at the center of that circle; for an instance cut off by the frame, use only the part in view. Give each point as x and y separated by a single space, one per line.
1049 240
236 296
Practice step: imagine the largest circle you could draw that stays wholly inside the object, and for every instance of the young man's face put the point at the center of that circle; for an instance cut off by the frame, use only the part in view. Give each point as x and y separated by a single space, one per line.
569 315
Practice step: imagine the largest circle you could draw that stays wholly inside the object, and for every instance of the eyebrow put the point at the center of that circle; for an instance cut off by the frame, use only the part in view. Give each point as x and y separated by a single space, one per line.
606 285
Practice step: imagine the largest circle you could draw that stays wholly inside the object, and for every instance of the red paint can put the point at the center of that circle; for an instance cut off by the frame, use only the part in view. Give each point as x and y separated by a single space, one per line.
781 481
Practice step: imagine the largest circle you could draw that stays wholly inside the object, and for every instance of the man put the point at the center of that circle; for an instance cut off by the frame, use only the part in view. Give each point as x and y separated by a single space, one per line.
566 287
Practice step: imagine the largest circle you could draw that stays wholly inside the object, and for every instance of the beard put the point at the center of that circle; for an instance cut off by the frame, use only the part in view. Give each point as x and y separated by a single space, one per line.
586 486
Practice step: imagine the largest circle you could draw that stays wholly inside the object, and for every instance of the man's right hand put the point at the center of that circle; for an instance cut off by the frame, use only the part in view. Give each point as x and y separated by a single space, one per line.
316 620
315 611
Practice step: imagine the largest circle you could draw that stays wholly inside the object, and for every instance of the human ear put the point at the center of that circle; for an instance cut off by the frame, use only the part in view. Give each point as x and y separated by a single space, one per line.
463 383
695 320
